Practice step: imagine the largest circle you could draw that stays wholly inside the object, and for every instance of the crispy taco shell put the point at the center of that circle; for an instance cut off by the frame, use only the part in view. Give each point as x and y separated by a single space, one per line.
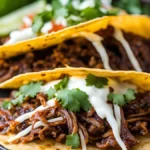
136 24
141 80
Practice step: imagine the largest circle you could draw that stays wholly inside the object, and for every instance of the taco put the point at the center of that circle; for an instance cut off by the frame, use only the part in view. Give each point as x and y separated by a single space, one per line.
76 108
113 43
41 17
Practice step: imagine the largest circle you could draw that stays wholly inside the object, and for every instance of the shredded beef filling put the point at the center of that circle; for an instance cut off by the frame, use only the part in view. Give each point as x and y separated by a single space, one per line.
79 52
134 120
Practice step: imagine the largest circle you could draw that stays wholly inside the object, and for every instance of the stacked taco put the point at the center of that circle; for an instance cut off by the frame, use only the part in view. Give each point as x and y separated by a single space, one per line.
76 108
112 43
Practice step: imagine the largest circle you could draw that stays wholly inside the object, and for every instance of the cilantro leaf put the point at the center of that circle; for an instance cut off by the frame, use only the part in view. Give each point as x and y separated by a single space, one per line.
67 100
82 97
56 4
40 19
73 140
74 99
130 95
98 82
38 24
51 92
62 84
18 100
117 99
122 99
7 104
90 13
61 12
30 89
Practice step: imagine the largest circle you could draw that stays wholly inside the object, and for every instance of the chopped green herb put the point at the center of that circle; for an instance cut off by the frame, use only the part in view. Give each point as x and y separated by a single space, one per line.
122 99
74 99
38 24
30 89
90 13
51 92
117 99
99 82
61 12
73 140
130 95
62 84
7 104
18 100
40 19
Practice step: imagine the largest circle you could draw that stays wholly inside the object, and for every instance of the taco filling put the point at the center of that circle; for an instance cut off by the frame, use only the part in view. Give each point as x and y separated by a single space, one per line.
99 111
109 48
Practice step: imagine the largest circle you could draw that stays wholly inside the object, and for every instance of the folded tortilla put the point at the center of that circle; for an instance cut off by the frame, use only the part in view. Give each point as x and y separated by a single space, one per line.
130 23
119 81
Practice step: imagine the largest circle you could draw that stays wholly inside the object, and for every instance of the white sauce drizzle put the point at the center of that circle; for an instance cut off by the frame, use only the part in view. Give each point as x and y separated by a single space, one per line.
20 35
83 144
119 36
96 41
50 103
118 116
27 130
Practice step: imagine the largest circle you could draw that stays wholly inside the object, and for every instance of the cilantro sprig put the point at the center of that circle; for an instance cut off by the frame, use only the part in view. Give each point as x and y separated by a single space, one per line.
30 90
62 84
122 99
99 82
73 140
74 100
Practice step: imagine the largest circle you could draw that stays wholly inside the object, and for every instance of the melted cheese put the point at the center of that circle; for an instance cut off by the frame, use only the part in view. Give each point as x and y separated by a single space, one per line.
119 36
50 103
96 41
83 144
28 130
20 35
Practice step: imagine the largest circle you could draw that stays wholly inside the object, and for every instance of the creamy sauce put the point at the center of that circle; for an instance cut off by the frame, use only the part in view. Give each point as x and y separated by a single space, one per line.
83 144
118 116
119 36
96 41
50 103
28 130
20 35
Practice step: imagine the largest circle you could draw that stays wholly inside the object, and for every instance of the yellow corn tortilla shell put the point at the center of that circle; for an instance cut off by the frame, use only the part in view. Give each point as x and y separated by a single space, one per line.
141 80
137 24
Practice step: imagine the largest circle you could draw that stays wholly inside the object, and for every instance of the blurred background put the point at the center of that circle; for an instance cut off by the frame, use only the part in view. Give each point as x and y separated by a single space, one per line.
131 6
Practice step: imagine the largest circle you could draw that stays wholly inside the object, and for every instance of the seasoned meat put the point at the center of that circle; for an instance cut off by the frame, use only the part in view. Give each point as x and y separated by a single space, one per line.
96 130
